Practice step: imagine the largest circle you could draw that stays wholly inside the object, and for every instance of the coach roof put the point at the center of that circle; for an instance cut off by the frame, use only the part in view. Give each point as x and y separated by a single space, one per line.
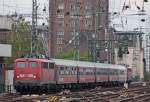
87 64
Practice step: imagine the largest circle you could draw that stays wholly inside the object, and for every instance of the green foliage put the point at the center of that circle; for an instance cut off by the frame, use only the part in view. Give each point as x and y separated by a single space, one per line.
20 39
147 76
84 56
136 78
70 55
65 55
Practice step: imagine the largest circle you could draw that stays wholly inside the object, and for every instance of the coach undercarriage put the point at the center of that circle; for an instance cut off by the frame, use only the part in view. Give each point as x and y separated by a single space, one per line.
52 88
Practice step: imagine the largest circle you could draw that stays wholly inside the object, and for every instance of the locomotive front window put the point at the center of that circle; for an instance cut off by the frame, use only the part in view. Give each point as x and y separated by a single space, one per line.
20 64
32 64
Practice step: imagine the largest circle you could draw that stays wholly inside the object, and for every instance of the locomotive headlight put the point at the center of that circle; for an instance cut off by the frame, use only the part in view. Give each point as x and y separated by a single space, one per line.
18 76
34 76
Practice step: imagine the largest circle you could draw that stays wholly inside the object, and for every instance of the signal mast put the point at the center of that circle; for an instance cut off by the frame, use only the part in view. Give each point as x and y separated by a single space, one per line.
34 50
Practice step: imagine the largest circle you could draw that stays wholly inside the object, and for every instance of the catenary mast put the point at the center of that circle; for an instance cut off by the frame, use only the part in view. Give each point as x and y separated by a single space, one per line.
34 27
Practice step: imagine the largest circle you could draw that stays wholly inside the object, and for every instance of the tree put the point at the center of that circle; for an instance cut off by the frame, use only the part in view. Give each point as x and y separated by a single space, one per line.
20 39
136 78
70 55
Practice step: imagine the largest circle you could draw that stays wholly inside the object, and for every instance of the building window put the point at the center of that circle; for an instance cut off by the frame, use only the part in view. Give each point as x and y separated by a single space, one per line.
60 10
60 13
61 24
59 49
61 6
60 34
72 24
59 40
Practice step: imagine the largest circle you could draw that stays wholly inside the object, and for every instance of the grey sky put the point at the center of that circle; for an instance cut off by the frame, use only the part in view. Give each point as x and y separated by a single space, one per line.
23 7
20 6
10 6
126 22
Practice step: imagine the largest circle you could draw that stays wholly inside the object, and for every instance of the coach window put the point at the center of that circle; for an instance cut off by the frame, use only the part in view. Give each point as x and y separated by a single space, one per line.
75 71
102 71
69 70
81 71
121 72
72 71
20 64
99 71
105 71
116 72
61 71
61 68
32 64
45 65
66 71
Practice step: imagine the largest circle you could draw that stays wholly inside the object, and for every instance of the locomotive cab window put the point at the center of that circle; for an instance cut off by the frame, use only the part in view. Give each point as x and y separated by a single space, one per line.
45 65
20 64
32 64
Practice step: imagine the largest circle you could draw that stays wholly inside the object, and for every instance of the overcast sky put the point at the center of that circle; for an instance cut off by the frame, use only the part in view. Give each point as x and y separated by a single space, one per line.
23 7
121 20
126 18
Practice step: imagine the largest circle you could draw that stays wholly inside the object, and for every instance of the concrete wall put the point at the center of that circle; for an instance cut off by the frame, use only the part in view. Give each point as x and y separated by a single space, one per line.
5 50
128 59
5 23
9 81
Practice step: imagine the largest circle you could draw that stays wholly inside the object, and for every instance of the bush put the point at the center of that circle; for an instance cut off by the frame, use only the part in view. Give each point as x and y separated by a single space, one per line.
147 76
136 78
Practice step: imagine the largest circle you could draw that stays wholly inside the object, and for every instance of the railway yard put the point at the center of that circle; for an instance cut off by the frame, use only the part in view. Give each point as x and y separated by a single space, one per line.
63 50
137 92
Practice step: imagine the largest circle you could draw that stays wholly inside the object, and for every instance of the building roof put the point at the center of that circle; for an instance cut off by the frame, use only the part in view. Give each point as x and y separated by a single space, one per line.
87 64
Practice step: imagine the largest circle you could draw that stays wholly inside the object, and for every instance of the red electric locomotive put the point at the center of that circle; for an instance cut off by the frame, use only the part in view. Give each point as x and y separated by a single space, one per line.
31 73
43 74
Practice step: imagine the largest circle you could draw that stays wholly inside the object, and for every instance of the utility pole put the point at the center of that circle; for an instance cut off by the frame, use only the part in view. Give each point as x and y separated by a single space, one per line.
98 37
34 27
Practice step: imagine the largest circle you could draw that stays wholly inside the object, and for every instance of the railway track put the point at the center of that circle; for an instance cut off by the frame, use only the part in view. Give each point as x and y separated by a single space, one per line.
136 92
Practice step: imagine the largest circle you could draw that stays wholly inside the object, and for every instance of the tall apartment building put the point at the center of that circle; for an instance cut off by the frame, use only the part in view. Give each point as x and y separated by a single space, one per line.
70 18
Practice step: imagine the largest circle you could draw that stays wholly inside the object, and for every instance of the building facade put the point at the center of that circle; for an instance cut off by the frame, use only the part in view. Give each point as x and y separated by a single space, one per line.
73 22
5 49
128 51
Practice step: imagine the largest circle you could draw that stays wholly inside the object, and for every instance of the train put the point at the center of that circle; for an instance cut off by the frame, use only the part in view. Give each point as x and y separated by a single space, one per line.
42 74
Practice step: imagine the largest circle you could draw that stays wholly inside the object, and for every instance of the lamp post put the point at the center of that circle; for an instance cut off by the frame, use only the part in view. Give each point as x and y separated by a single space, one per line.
93 44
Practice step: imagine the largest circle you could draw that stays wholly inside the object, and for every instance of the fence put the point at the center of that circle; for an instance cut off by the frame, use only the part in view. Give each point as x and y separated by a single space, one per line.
7 89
